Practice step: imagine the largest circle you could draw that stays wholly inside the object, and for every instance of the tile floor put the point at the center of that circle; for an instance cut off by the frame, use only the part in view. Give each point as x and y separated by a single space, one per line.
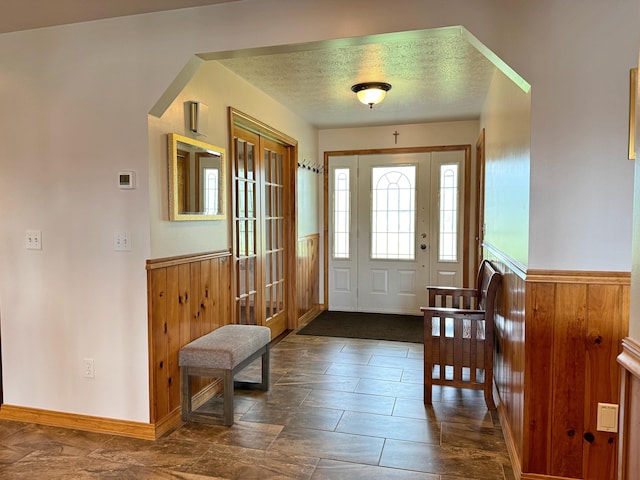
337 409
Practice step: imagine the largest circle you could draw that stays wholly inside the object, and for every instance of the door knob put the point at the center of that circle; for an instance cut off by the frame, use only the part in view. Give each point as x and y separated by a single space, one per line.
423 246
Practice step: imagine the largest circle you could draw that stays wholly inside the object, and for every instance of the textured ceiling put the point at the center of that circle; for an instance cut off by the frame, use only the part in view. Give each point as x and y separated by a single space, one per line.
435 75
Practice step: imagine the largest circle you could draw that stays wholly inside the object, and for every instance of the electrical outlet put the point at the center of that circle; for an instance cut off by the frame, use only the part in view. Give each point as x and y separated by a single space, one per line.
122 242
33 240
89 368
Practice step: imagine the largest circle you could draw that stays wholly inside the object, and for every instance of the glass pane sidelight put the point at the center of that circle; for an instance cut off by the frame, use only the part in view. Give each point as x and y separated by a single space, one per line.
393 212
448 229
341 213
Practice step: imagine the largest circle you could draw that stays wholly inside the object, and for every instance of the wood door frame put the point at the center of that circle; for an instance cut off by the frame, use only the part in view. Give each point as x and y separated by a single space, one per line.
240 120
479 207
376 151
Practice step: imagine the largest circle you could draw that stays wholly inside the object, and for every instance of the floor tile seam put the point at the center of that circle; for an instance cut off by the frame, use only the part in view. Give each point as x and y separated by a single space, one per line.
26 453
266 452
496 456
208 451
475 423
335 379
390 395
368 366
132 461
408 440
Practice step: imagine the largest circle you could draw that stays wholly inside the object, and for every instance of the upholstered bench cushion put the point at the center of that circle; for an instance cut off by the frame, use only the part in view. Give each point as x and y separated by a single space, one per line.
225 347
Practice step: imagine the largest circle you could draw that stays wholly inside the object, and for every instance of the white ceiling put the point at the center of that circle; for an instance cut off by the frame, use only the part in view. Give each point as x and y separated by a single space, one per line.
27 14
436 75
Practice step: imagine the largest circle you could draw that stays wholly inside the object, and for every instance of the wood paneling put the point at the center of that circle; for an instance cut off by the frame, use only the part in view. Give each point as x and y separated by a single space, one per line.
308 274
539 346
558 335
628 458
568 382
509 356
188 297
601 373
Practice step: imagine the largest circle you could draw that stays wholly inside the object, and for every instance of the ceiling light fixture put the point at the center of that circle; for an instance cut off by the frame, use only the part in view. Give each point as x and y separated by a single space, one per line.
371 93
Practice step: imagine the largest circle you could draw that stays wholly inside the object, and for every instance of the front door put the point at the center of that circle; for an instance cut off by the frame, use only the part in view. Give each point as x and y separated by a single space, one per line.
395 228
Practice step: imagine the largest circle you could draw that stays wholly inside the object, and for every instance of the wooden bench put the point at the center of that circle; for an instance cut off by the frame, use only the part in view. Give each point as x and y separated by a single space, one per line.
459 335
221 354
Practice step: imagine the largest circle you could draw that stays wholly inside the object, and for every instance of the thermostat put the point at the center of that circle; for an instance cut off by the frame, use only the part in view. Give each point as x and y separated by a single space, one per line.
126 180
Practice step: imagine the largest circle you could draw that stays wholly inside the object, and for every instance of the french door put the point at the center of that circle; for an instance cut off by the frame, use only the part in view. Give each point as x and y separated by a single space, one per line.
395 226
261 229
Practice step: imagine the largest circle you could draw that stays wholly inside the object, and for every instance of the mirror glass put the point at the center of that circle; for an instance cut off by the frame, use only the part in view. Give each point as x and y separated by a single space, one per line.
196 179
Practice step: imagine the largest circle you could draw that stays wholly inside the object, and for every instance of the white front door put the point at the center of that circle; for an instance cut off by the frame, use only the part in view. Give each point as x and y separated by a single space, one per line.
394 228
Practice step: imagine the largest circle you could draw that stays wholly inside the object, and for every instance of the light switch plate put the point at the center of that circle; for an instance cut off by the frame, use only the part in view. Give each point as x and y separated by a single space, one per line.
33 240
122 242
607 417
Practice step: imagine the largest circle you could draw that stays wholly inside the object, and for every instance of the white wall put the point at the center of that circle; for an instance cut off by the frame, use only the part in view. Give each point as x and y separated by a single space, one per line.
218 88
576 55
506 120
416 135
74 111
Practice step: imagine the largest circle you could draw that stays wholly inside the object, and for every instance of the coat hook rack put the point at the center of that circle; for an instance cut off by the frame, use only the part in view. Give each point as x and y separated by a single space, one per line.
311 166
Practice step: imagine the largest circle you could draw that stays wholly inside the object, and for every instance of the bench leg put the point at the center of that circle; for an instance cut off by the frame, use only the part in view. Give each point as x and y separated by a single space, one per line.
265 370
227 392
185 392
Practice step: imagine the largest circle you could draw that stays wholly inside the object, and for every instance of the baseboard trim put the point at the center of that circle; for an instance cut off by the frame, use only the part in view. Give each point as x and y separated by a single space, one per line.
308 316
87 423
509 440
535 476
168 423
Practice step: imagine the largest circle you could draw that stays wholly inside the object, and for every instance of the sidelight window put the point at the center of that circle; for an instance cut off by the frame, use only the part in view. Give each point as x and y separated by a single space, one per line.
341 213
448 228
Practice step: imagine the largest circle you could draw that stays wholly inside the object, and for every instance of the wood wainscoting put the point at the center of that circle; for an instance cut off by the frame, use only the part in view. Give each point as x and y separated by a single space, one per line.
308 277
188 297
558 336
628 458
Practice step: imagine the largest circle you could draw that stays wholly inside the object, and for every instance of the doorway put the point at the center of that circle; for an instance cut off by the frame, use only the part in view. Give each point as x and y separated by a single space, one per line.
264 225
397 221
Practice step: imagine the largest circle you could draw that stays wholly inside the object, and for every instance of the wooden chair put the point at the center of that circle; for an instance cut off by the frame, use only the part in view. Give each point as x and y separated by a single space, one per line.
458 335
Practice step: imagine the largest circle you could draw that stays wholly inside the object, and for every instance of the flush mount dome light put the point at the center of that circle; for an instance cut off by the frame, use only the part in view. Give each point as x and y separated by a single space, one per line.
371 93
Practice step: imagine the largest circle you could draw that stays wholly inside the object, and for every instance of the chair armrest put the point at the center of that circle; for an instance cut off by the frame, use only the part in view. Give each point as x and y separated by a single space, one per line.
449 312
451 290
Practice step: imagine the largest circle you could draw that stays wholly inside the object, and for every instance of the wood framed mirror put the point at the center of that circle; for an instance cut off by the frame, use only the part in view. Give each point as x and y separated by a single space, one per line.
197 179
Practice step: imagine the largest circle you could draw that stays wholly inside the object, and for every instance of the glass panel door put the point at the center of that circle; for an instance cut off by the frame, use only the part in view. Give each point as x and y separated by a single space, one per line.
260 246
274 218
245 229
